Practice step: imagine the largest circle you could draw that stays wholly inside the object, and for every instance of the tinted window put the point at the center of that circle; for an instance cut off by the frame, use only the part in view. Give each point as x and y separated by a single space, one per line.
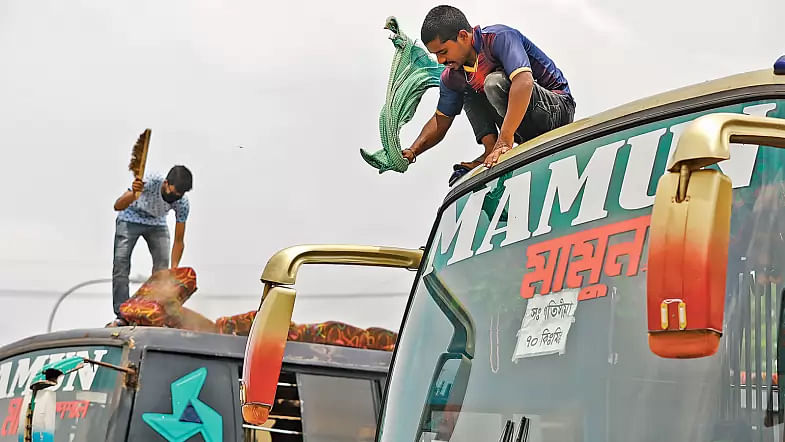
336 409
186 395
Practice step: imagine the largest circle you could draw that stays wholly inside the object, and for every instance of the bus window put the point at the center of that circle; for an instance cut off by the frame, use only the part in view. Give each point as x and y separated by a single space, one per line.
337 408
191 389
285 421
319 408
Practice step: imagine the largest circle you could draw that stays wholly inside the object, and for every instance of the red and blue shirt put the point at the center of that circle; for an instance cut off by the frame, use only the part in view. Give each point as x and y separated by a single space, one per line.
498 48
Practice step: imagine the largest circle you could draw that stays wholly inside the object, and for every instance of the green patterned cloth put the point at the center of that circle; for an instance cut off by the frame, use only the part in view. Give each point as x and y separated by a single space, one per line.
412 72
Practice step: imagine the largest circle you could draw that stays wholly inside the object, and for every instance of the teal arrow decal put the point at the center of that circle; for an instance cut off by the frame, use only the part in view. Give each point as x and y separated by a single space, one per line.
189 415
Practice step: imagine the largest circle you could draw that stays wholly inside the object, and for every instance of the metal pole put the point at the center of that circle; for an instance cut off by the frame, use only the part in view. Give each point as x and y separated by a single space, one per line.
77 287
125 370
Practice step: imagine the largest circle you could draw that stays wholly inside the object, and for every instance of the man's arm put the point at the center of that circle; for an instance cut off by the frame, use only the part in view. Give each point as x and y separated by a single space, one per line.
129 196
517 103
178 245
432 133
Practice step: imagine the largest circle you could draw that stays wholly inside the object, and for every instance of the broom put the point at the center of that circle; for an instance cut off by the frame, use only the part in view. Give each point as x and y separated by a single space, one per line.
139 156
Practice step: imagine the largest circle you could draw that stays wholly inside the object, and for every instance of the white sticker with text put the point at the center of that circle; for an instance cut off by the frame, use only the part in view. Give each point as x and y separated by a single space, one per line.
545 324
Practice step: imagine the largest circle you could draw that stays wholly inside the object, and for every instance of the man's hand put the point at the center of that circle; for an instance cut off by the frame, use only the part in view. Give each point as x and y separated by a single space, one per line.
431 134
178 245
517 103
409 155
129 196
137 186
499 148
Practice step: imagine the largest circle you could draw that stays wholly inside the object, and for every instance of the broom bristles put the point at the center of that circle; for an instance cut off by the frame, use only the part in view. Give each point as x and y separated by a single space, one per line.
139 154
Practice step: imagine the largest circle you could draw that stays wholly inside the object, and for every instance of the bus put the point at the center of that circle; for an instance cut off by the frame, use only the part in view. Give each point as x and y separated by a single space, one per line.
168 384
617 279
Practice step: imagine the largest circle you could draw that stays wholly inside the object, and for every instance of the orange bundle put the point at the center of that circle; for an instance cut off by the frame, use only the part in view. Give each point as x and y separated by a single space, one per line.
140 311
169 285
158 302
380 339
238 325
330 332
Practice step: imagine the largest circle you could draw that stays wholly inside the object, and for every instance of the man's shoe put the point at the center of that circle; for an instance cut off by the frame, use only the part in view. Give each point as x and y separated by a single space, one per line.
462 169
458 172
118 322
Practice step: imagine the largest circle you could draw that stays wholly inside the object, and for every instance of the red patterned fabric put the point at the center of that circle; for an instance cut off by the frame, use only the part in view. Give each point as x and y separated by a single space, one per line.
330 332
169 285
158 302
142 311
380 338
238 325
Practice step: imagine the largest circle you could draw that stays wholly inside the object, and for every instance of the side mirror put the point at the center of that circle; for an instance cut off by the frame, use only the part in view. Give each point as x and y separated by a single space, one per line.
689 234
41 404
269 331
50 373
445 396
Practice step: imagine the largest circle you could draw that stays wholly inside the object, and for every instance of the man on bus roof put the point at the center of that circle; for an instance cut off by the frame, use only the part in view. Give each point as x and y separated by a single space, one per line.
511 91
142 211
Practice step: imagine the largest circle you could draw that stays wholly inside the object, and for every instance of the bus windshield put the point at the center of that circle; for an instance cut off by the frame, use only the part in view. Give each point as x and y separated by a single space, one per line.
529 322
85 398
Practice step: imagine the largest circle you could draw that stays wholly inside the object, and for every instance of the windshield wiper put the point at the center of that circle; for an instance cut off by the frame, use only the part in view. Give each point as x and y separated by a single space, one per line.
523 430
509 430
775 417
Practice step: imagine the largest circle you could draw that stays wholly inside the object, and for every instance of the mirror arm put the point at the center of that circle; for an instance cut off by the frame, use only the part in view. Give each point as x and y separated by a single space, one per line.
684 180
126 370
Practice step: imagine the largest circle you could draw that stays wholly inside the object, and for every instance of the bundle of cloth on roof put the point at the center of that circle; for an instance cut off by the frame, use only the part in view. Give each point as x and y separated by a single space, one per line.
159 303
339 333
329 332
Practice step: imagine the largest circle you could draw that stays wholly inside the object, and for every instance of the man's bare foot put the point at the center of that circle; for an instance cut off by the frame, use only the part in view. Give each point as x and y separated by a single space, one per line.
471 164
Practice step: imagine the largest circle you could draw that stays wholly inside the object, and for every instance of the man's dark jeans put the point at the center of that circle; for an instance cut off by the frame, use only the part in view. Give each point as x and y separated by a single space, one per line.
125 237
547 110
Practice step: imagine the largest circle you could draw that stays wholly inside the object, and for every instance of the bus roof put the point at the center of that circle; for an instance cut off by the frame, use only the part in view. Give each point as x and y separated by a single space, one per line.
209 344
757 83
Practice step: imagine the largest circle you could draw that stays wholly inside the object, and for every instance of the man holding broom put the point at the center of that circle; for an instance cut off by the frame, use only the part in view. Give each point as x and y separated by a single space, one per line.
142 212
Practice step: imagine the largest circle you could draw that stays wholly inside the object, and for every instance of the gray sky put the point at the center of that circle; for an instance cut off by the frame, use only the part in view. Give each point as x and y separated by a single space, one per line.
300 85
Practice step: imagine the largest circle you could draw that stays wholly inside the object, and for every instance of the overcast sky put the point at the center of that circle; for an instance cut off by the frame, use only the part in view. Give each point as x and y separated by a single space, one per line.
300 86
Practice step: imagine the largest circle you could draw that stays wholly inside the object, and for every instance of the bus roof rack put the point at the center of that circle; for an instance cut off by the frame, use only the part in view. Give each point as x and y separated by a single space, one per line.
779 66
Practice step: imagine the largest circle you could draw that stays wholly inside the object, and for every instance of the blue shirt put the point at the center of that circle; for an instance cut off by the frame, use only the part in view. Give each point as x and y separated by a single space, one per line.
151 209
498 48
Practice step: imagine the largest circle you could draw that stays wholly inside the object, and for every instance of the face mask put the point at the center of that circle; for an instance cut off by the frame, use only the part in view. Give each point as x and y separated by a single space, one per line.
170 197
